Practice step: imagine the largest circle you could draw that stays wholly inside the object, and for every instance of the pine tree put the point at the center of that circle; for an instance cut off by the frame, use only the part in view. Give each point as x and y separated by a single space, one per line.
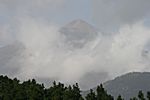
76 91
119 98
134 98
91 95
102 94
148 95
141 95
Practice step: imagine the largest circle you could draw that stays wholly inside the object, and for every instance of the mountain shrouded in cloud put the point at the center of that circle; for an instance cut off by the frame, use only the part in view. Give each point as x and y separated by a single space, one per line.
44 49
78 33
35 43
46 54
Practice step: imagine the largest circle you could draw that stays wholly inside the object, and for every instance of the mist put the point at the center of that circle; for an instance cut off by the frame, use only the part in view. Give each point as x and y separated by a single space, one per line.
44 54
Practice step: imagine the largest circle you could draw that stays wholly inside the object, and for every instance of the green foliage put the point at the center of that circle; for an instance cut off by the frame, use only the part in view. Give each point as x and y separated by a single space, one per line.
120 98
12 89
72 93
101 94
141 95
134 98
91 95
148 95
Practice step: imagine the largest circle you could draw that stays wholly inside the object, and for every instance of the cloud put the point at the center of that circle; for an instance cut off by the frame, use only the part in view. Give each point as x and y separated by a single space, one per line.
127 47
39 40
45 55
5 36
110 14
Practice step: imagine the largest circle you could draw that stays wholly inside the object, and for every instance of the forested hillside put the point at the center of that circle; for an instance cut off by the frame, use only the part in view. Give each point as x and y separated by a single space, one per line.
13 89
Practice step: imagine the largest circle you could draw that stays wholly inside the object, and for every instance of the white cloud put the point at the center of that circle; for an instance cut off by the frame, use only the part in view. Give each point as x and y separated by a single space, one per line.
114 54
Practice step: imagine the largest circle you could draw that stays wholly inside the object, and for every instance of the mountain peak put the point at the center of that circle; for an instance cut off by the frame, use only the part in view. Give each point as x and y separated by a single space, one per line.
78 32
78 22
80 25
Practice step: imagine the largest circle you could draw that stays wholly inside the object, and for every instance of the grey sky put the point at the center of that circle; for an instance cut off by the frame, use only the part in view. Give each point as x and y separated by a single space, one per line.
110 14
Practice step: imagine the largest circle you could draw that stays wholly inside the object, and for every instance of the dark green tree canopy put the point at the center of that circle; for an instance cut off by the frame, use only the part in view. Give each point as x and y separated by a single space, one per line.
13 89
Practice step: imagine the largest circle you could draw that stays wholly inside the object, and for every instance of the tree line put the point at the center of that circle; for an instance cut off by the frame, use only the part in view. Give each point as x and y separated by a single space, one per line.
13 89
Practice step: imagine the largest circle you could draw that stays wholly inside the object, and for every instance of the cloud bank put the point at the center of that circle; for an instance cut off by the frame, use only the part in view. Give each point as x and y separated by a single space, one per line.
46 57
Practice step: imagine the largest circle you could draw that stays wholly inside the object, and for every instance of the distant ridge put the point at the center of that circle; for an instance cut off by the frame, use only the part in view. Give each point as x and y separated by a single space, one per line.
128 85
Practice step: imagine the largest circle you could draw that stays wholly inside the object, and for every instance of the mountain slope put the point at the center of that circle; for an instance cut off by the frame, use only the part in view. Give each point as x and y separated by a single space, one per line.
128 85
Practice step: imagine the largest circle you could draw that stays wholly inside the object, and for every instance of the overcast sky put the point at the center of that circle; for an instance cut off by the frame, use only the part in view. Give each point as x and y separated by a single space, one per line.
56 11
97 12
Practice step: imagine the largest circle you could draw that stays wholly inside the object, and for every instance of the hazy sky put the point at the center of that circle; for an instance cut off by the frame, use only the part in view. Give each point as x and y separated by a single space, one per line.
56 11
31 44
